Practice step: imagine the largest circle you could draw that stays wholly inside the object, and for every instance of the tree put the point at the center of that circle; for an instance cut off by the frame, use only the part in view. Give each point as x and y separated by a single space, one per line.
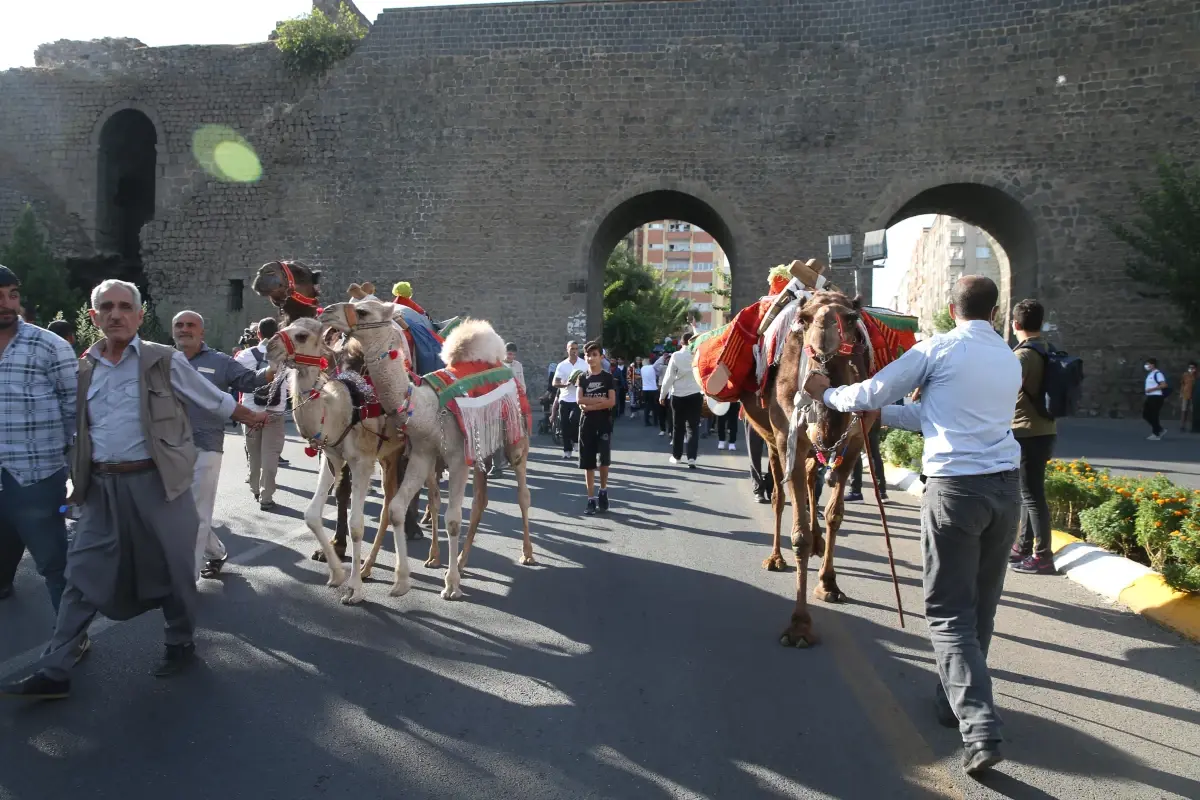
44 285
639 309
1165 238
942 321
723 288
313 43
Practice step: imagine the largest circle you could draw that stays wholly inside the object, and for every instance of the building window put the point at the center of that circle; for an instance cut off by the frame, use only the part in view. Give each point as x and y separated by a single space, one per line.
703 247
237 288
679 227
656 246
702 307
983 251
680 247
706 288
655 226
679 266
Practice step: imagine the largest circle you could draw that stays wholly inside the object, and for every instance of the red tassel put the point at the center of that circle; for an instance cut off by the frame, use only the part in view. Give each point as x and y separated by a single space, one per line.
314 394
320 310
324 364
310 452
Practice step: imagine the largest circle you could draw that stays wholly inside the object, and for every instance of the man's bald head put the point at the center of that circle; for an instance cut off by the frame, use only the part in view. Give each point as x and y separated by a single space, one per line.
974 297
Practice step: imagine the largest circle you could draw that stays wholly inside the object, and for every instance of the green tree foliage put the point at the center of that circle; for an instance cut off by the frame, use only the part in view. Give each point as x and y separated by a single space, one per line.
722 288
942 321
313 43
639 309
1165 238
44 285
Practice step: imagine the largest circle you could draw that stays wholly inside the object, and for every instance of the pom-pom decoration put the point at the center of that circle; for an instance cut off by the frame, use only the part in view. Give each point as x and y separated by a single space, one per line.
311 452
402 289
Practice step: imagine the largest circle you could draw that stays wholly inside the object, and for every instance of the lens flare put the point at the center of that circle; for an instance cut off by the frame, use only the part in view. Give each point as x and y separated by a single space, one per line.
225 154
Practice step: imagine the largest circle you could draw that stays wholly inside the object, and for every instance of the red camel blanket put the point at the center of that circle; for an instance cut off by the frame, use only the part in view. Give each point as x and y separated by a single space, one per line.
487 402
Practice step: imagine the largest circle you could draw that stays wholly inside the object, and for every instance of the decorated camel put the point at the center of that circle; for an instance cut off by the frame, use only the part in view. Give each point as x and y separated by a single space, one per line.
462 413
337 415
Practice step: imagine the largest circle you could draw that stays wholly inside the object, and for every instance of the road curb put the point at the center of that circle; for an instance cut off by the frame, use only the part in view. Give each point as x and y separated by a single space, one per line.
1109 575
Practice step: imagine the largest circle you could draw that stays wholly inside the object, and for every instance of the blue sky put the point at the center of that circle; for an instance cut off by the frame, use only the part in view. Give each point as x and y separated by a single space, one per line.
30 24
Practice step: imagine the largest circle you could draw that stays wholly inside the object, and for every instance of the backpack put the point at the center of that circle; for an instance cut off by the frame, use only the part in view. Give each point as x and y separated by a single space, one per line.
1062 381
1166 390
262 395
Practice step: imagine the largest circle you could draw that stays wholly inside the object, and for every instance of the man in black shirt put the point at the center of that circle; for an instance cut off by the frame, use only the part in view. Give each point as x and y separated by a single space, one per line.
597 396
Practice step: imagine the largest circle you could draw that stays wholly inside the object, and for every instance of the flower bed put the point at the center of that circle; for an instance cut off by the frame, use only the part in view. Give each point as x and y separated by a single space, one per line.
1148 520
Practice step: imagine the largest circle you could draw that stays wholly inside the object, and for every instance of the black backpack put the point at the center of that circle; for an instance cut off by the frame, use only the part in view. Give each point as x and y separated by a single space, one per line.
1166 390
1062 381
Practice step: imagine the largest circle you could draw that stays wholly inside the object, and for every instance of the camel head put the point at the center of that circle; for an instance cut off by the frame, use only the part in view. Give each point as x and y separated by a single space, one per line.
301 344
291 286
373 323
830 325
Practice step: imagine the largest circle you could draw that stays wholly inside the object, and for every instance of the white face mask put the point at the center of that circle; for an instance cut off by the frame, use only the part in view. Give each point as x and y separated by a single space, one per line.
1147 367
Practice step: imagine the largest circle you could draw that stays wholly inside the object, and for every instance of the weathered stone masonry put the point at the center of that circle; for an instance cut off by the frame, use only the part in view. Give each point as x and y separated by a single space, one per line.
491 154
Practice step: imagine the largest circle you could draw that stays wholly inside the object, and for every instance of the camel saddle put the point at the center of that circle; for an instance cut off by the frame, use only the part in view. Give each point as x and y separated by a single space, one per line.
487 402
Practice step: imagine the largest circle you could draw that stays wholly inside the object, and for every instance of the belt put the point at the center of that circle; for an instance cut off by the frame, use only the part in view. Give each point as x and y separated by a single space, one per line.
121 467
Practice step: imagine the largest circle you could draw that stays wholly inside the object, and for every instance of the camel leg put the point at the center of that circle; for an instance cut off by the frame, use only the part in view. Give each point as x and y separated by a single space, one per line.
479 501
458 490
313 518
431 510
775 561
360 471
419 464
518 457
827 588
811 476
342 500
800 632
389 491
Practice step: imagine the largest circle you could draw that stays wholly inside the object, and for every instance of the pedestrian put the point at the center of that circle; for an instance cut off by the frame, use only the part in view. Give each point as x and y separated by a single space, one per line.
679 385
208 431
63 330
1156 389
37 423
873 452
597 396
633 379
727 425
1036 432
1187 387
264 445
969 381
621 385
132 468
650 407
761 483
566 377
665 426
496 468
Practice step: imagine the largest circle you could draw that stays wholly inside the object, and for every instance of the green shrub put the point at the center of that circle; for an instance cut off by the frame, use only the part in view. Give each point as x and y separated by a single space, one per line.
1110 525
903 449
312 44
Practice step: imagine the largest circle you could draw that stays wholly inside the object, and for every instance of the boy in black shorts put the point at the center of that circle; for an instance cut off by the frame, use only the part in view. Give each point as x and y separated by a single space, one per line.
597 396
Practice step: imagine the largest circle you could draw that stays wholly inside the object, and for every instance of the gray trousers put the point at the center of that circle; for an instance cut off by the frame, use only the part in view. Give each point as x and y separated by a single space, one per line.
133 551
968 525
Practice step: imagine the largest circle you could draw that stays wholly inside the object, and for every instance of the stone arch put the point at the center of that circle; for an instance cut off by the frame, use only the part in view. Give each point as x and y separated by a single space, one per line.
129 149
645 202
996 206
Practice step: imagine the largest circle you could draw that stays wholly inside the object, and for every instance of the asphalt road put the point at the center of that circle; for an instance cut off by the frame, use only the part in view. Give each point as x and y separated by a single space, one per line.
640 659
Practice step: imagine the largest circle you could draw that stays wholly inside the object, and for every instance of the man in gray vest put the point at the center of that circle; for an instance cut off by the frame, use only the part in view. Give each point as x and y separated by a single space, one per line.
134 546
208 430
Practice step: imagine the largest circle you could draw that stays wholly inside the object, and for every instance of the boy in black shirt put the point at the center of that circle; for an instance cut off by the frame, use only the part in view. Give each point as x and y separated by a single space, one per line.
597 396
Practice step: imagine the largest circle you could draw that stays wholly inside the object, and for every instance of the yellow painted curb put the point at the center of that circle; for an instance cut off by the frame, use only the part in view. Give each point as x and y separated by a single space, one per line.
1059 540
1151 597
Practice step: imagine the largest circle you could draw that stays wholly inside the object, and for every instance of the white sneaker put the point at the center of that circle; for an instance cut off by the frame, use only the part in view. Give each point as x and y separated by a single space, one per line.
692 463
720 445
732 447
660 433
674 460
1153 438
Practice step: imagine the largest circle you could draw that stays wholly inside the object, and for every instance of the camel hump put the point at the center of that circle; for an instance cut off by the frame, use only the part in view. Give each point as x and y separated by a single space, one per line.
473 340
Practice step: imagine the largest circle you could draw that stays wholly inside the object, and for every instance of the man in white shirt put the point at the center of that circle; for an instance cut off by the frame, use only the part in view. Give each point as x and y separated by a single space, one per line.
649 392
568 396
679 384
969 381
264 445
1155 388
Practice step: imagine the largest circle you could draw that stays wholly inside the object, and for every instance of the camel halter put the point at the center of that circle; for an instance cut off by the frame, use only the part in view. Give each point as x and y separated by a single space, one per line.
295 358
829 455
311 302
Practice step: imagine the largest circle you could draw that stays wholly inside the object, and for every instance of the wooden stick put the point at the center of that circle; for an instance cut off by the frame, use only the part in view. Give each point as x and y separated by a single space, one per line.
862 423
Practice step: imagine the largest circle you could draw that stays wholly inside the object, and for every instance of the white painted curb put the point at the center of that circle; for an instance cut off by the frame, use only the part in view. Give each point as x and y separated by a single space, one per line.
904 480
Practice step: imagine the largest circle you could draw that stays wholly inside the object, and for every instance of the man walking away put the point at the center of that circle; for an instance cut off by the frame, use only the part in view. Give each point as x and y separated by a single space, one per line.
664 408
566 376
1156 394
264 445
597 396
208 430
680 385
856 478
1035 431
37 423
727 425
1187 388
969 381
649 400
132 468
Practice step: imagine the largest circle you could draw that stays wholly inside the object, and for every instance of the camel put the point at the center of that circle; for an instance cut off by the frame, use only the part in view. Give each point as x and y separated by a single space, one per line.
326 415
432 432
828 340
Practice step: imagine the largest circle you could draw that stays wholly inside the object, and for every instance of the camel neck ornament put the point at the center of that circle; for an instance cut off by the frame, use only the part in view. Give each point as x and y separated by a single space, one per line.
830 351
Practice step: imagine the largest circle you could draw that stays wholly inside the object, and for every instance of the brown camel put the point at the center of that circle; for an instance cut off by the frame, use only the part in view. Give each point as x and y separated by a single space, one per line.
829 341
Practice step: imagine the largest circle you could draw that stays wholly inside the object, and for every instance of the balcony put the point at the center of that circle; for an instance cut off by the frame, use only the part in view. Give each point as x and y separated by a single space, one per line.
958 234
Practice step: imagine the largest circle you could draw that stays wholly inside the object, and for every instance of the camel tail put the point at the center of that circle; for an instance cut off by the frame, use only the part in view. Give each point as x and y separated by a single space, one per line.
473 340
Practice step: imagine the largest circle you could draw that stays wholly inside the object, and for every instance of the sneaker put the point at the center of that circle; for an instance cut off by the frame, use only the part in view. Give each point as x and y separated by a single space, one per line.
674 460
1036 565
691 463
1154 437
283 462
854 497
591 507
37 687
731 447
720 445
602 501
662 433
266 505
566 453
1015 556
980 756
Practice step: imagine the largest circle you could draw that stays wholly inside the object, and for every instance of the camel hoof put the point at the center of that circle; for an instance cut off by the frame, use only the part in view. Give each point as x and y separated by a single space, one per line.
433 563
800 642
527 561
353 597
336 579
400 589
775 563
452 594
834 595
365 572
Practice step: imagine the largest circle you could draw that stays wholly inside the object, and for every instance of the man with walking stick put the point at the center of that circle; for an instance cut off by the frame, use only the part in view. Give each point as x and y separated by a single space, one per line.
969 381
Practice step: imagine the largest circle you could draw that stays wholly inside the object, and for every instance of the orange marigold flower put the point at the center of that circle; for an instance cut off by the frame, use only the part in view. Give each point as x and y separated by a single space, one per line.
1158 523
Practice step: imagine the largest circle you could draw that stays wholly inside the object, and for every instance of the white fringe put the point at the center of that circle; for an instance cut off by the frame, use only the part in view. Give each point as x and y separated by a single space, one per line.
491 421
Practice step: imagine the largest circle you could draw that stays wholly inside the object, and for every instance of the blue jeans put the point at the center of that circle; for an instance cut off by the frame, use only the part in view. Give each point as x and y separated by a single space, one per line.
29 516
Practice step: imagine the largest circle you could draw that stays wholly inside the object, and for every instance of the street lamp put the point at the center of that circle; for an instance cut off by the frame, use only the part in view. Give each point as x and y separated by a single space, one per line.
841 251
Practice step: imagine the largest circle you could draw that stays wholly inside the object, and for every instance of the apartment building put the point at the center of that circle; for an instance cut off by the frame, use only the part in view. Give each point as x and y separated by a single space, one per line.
946 250
689 259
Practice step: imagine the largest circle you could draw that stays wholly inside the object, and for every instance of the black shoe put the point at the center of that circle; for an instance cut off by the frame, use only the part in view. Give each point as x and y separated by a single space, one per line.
269 505
283 462
176 658
591 507
980 756
602 501
941 707
212 567
6 592
37 687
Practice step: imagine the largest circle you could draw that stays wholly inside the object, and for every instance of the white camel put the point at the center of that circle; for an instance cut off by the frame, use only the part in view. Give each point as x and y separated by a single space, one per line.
431 430
324 415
